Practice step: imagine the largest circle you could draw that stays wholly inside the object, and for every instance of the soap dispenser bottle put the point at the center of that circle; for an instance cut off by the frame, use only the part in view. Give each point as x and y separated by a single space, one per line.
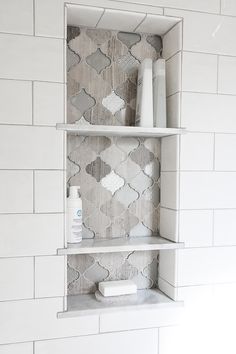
74 216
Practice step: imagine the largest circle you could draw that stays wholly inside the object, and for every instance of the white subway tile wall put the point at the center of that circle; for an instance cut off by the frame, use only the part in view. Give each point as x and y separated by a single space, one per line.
48 103
19 112
49 191
199 72
26 348
42 58
16 278
203 193
30 234
49 276
16 190
197 151
140 341
17 16
27 147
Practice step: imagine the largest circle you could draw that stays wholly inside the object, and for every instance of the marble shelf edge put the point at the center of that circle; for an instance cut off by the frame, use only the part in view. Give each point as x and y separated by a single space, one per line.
83 305
109 130
150 243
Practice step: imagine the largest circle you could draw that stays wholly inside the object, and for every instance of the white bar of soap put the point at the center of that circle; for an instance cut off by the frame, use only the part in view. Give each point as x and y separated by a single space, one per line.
117 287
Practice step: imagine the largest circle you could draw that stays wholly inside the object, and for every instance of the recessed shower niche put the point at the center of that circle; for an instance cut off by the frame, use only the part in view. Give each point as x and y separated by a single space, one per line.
118 171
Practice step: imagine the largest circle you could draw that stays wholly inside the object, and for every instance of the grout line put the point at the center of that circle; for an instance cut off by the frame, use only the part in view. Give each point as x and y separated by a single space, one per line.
28 80
210 93
34 18
217 74
214 153
33 192
31 213
213 227
158 340
33 255
31 169
34 293
33 298
136 28
28 125
33 347
100 18
170 8
32 102
209 53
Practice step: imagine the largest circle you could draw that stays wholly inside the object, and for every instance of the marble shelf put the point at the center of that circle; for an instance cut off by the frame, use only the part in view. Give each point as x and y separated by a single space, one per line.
109 130
82 305
128 244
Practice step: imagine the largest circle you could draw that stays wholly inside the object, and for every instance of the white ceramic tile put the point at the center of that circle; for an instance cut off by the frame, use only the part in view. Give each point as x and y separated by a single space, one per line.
128 320
78 15
196 227
29 320
206 265
19 348
199 73
173 104
30 234
157 24
115 19
172 41
49 15
171 341
206 33
194 5
15 102
168 266
31 148
48 103
169 190
173 74
16 16
228 7
49 18
207 190
225 145
196 151
49 276
170 153
49 191
140 342
169 224
224 227
16 190
208 112
227 75
16 278
42 58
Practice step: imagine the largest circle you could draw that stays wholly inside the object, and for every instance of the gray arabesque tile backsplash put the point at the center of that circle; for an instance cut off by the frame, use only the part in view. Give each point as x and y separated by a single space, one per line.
119 177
